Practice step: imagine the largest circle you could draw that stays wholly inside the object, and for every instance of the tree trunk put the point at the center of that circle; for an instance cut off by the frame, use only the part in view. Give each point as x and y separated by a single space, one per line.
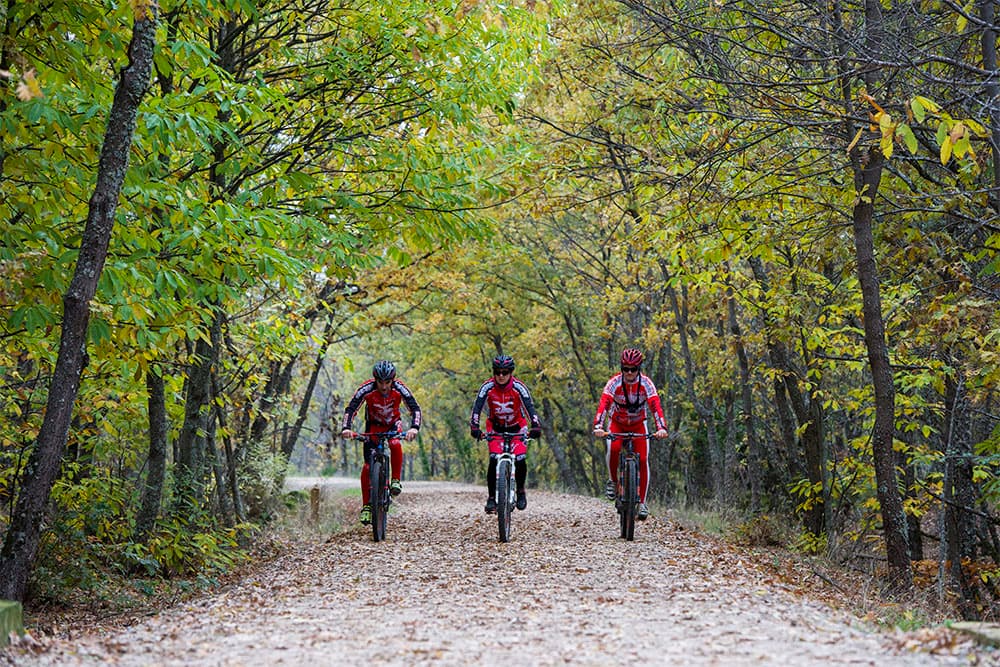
987 12
868 174
156 461
24 532
755 461
959 495
190 466
553 440
704 408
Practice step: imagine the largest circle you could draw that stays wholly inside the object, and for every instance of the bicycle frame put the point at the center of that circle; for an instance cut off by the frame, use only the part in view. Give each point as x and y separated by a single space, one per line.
505 493
627 500
379 467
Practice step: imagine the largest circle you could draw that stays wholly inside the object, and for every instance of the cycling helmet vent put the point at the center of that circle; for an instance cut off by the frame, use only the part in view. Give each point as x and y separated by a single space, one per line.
503 362
631 357
384 370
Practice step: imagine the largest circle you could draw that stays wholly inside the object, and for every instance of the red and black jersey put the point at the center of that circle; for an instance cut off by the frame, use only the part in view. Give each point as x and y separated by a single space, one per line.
382 411
508 406
626 404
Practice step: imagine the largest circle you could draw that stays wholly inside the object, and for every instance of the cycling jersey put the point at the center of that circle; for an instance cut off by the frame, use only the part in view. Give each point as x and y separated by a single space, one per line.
508 406
626 405
382 411
381 415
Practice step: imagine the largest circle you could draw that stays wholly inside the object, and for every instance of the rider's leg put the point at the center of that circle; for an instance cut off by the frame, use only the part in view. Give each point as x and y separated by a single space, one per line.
614 449
491 484
491 477
396 458
642 449
520 473
364 484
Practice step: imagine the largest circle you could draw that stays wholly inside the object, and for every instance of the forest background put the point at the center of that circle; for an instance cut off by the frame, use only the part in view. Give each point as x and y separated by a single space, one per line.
218 215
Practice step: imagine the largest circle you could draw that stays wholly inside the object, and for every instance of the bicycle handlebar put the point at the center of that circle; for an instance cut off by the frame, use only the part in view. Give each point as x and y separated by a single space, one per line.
626 434
384 434
494 434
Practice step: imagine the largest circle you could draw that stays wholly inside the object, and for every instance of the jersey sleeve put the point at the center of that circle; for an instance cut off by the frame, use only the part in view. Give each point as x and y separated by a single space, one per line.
654 405
477 405
411 404
353 405
604 406
526 400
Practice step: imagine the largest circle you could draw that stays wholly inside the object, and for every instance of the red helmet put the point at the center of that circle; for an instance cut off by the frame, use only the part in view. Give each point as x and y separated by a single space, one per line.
631 357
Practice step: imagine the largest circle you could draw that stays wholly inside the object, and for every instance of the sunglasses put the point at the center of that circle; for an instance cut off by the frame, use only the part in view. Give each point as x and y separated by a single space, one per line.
630 369
498 373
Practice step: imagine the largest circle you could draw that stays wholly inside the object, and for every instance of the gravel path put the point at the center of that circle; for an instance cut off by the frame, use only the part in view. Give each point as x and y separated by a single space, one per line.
566 590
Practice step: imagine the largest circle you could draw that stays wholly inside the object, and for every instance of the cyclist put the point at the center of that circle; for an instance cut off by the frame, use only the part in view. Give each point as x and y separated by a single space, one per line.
624 402
382 396
509 408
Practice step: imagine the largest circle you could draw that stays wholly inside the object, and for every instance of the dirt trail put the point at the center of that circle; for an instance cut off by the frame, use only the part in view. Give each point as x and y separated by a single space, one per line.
442 591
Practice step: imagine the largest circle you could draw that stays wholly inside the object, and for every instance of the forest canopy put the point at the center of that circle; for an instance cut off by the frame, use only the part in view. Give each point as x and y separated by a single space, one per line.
790 208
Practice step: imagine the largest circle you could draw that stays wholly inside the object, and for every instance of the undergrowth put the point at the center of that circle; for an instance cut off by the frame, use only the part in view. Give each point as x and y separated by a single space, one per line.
848 578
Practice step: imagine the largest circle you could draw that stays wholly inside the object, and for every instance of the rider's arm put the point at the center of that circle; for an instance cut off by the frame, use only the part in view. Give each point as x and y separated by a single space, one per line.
528 403
355 403
658 419
477 408
411 405
602 412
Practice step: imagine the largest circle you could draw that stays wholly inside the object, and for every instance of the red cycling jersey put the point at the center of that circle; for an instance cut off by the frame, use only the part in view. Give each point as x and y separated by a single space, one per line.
508 409
382 411
626 405
508 406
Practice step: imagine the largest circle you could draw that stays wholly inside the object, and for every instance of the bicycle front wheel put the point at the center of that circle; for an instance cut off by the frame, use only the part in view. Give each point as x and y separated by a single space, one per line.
630 501
377 483
504 505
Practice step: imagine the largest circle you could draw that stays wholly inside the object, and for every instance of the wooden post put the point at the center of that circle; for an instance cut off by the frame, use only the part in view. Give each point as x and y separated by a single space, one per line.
314 506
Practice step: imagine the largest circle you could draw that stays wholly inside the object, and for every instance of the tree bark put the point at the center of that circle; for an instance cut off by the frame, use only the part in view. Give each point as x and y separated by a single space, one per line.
156 461
959 495
24 533
868 174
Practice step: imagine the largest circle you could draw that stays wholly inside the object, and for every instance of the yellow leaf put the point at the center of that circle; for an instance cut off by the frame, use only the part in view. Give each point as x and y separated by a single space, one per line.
854 142
946 150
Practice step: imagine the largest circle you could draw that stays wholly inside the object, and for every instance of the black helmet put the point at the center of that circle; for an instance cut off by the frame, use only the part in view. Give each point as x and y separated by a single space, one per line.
503 362
384 370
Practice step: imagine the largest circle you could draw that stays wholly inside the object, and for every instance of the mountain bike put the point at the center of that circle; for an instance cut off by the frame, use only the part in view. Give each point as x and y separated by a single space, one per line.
506 483
379 497
627 498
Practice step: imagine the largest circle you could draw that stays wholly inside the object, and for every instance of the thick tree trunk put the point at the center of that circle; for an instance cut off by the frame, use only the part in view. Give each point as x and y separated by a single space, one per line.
868 176
156 461
23 534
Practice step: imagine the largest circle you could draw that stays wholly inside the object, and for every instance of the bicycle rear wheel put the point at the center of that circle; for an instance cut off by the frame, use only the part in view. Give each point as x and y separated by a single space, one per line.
504 505
630 491
376 477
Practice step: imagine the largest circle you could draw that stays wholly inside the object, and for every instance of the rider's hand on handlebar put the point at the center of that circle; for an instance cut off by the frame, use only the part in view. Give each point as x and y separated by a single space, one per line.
476 433
347 434
600 433
660 434
535 433
410 435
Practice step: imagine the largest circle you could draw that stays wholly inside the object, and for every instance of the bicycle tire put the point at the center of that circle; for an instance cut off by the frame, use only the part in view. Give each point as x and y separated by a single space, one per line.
504 505
631 493
376 473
